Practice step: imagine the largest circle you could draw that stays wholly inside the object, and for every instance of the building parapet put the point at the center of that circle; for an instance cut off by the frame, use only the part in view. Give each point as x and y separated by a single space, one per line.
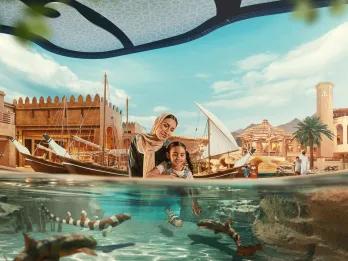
57 102
340 112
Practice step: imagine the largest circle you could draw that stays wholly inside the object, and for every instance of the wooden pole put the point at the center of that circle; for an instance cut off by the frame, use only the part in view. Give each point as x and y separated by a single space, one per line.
127 110
104 118
209 169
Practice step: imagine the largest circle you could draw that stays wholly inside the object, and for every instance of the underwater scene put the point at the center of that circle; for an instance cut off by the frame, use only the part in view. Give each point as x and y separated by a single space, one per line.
90 218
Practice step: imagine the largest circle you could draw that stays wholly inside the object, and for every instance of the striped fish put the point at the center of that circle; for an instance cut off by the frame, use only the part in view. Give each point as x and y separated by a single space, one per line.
173 219
85 222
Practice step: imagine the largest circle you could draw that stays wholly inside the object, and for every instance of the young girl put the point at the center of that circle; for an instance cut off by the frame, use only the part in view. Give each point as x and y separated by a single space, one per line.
178 164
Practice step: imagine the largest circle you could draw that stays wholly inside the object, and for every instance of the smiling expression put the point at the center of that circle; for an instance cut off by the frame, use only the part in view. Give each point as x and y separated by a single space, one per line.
165 129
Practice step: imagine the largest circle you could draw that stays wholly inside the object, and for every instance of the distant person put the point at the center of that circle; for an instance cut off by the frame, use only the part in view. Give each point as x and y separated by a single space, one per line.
304 163
297 166
148 150
246 171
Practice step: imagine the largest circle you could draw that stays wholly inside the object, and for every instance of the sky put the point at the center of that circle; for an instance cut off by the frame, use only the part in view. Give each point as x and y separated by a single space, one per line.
260 68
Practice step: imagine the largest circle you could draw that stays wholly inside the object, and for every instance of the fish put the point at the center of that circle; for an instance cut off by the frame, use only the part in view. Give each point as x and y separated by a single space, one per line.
174 219
110 248
56 247
219 227
165 231
248 250
103 224
226 228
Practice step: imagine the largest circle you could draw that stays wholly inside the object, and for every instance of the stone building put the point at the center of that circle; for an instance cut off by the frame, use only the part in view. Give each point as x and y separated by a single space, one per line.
7 129
269 141
62 118
130 129
337 122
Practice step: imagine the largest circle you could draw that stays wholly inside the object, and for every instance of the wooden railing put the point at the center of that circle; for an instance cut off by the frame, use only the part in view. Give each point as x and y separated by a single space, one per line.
7 118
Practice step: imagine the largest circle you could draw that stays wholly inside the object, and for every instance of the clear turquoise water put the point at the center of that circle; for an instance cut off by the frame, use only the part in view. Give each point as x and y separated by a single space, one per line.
148 236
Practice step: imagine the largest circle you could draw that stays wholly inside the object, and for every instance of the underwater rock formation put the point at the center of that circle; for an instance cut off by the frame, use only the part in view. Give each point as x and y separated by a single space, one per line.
3 198
10 218
329 209
311 226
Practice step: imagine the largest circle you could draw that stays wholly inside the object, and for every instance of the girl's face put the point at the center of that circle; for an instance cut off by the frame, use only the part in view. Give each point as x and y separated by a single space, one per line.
166 129
177 156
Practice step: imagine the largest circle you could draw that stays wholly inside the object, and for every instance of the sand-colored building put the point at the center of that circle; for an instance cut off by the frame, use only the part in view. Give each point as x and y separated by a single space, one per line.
63 118
7 129
337 122
130 129
269 141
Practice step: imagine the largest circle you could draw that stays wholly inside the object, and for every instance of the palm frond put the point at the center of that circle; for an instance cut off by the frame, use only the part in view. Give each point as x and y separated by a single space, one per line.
311 130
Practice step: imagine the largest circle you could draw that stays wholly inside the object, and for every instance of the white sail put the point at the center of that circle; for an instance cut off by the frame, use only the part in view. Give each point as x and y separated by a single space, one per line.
221 140
243 160
21 149
59 150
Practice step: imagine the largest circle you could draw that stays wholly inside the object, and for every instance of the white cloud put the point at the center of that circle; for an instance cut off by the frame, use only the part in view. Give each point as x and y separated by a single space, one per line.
10 95
313 58
224 86
252 79
160 109
145 121
256 61
293 76
118 97
44 70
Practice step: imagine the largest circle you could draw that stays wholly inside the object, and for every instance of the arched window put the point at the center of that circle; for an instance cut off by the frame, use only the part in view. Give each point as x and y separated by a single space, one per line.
339 137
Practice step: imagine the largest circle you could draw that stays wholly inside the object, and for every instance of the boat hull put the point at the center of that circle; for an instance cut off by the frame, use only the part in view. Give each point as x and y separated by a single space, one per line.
229 173
78 167
42 165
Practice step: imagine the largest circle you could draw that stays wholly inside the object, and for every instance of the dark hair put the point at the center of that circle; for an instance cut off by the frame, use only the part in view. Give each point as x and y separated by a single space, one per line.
180 144
171 116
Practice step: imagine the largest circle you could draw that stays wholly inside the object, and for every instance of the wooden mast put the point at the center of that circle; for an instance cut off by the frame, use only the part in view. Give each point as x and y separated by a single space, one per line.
209 169
127 111
104 117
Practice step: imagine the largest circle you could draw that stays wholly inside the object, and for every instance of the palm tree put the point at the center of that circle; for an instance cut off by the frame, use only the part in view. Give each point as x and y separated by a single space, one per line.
309 133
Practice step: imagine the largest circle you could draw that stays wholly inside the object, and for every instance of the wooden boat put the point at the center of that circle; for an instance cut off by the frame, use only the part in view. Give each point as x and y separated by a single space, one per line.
221 141
42 165
38 164
75 166
87 168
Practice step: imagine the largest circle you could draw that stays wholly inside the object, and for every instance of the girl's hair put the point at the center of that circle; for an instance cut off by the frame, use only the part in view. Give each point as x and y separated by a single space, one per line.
180 144
171 116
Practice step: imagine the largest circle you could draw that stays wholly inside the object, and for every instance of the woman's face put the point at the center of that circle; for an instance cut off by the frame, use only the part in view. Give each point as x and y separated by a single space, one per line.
166 128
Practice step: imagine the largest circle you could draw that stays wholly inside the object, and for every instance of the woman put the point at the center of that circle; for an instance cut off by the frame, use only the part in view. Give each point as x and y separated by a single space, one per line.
148 150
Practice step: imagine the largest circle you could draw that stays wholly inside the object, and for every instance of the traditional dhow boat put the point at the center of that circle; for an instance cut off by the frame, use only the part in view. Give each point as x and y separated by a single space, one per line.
79 167
87 168
38 164
221 141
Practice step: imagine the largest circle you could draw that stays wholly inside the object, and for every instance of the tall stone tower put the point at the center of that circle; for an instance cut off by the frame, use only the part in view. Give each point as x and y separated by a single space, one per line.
325 114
